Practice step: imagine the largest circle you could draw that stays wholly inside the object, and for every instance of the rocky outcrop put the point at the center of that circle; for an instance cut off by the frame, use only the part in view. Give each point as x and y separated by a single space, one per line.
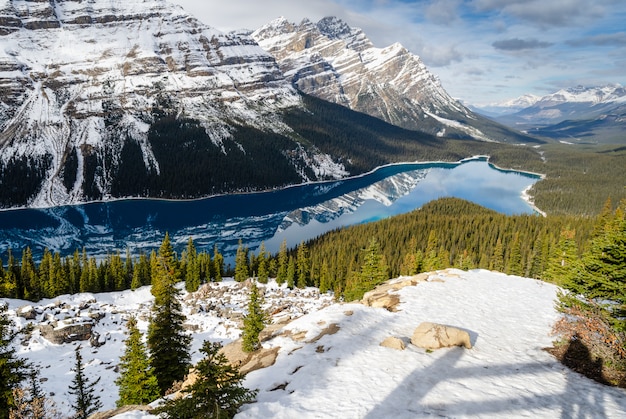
435 336
66 333
384 296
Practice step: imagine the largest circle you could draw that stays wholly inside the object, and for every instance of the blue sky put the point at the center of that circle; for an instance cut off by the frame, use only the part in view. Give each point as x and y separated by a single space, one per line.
483 51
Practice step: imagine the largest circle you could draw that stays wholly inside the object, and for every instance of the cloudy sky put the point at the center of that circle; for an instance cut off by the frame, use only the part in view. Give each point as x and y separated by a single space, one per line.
483 51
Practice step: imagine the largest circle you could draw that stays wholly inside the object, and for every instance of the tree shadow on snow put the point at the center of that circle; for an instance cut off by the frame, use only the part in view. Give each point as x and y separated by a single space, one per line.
577 400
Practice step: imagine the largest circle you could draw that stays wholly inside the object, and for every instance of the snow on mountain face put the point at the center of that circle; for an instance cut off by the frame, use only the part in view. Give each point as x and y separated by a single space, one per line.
335 62
83 77
582 94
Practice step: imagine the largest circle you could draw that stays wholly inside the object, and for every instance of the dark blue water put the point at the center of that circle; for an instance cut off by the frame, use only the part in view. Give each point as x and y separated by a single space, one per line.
295 214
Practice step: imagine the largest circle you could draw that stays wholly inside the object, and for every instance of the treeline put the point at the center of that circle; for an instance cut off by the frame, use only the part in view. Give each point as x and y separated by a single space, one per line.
56 275
445 233
448 232
578 178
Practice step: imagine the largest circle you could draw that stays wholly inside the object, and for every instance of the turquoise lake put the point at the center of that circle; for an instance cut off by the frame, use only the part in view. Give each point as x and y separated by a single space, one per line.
295 214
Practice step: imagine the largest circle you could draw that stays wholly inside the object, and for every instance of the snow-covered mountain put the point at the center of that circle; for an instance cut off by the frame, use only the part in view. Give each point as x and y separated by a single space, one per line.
338 63
329 359
80 80
104 99
577 114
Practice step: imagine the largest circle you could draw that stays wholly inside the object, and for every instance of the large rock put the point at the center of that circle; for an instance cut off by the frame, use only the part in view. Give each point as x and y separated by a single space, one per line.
66 333
384 296
249 361
434 336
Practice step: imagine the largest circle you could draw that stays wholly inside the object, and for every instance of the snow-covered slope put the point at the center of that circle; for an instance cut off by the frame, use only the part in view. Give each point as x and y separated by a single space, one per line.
82 78
338 63
345 372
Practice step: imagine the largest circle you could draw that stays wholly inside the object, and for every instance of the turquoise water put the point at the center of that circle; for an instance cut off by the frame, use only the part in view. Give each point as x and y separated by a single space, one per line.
297 213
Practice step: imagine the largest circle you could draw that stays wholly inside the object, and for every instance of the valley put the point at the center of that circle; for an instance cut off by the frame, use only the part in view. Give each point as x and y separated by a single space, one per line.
298 196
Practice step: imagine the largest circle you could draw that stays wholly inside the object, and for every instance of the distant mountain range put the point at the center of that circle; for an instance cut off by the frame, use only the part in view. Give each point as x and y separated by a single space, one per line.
103 100
579 114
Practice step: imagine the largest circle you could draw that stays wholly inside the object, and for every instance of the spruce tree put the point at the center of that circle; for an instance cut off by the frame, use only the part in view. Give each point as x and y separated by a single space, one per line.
86 402
253 322
291 272
12 368
262 273
218 265
241 263
137 382
283 260
167 340
302 265
192 267
217 392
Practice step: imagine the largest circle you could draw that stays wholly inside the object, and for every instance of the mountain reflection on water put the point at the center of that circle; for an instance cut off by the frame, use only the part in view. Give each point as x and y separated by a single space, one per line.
294 214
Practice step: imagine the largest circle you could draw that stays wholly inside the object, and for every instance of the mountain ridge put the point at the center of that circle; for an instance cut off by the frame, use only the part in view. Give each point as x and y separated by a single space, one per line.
578 114
338 63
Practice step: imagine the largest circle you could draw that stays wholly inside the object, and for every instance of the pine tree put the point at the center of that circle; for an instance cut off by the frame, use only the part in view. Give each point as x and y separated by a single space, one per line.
192 268
302 265
217 392
262 273
12 368
283 260
253 322
325 280
137 382
291 272
432 258
564 264
85 402
218 265
496 262
167 341
241 263
373 272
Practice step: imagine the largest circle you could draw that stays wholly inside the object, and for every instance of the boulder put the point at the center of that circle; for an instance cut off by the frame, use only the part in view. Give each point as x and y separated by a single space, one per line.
393 343
383 296
434 336
249 361
27 312
66 334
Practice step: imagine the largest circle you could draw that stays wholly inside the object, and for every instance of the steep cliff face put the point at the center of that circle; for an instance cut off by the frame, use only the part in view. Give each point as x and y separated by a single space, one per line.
335 62
81 79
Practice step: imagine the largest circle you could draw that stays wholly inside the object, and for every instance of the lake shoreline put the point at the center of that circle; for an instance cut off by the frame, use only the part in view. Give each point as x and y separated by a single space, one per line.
525 196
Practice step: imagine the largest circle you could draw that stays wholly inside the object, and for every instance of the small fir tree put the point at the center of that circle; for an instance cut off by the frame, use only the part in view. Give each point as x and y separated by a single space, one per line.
137 382
263 273
86 402
217 392
291 273
12 368
283 260
302 265
253 322
192 268
241 263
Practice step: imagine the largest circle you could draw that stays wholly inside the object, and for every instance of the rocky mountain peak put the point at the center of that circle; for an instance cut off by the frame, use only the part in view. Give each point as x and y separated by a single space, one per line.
340 64
80 79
